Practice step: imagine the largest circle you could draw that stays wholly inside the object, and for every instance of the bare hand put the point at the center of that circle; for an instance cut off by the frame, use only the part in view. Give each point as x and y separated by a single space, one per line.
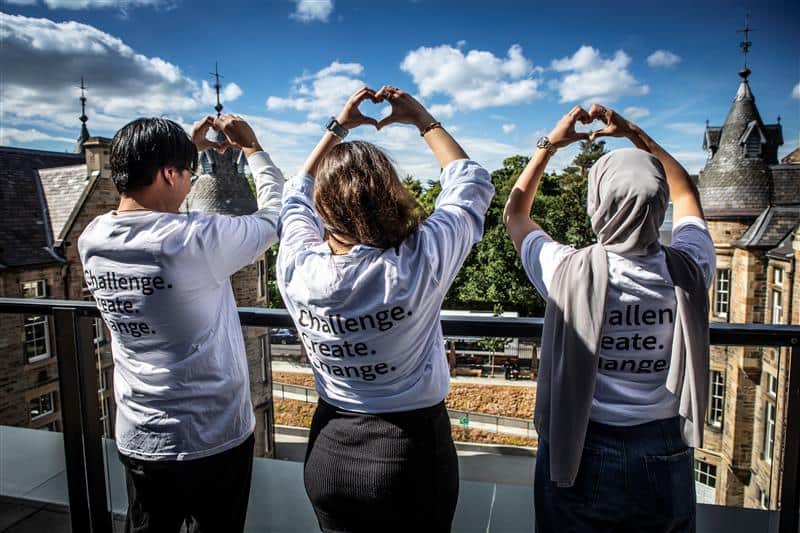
564 133
405 109
199 136
351 117
616 125
238 132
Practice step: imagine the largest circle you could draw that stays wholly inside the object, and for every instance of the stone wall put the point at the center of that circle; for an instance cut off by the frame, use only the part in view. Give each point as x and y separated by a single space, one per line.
20 380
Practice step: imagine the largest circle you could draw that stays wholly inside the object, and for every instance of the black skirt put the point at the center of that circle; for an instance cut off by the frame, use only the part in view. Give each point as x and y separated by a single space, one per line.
382 472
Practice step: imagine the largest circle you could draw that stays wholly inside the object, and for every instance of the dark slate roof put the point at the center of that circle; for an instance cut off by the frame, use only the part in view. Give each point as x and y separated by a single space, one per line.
711 138
784 250
25 232
63 188
731 184
770 228
223 188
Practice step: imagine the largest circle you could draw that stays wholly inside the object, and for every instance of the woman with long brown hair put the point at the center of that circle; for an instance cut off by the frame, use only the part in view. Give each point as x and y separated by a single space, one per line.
363 274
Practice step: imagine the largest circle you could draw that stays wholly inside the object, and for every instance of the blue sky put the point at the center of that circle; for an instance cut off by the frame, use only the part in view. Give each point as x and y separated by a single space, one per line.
498 74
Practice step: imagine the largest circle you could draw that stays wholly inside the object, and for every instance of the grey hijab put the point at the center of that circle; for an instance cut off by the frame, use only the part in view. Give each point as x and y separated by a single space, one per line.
627 199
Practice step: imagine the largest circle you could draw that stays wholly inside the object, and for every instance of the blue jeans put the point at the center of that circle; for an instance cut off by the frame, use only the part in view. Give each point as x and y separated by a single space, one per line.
634 478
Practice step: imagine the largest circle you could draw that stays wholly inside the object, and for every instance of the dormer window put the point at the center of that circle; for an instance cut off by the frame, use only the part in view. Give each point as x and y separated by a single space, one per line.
752 140
752 147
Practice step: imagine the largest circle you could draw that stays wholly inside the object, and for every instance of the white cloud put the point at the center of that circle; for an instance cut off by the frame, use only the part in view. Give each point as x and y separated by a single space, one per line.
589 77
442 110
635 113
312 10
123 84
508 128
473 80
688 128
94 4
229 93
663 58
796 91
320 94
11 136
692 161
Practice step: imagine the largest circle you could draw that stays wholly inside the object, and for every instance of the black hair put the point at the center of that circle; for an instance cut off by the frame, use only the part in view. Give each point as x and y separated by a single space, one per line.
144 146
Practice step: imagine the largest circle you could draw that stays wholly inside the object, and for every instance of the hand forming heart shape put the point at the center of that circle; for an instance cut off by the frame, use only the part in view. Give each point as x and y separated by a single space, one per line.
405 109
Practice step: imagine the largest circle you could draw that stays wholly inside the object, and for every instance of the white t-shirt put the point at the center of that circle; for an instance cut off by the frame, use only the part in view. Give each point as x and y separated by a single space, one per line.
636 339
369 320
162 284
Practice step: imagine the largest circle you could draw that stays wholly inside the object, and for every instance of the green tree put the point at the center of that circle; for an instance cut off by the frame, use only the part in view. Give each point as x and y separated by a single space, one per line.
492 276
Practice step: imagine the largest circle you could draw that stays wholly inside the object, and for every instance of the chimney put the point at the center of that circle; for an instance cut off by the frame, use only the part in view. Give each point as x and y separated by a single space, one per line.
97 158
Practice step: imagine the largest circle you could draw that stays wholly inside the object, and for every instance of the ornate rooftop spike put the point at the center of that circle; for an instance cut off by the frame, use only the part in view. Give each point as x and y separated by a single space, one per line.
222 185
737 179
217 86
84 135
745 46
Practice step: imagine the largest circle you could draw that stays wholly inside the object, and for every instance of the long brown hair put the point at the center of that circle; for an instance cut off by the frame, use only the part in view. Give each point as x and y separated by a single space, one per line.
359 196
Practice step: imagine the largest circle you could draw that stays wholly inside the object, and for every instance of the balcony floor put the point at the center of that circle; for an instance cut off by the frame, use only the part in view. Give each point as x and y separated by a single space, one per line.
33 494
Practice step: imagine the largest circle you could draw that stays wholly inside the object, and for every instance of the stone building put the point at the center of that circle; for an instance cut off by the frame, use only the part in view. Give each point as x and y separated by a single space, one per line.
752 204
46 201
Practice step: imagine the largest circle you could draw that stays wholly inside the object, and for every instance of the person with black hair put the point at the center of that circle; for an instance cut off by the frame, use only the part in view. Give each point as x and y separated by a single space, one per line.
161 279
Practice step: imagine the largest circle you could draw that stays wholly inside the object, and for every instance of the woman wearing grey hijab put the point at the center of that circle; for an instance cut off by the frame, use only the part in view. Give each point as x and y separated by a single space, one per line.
622 381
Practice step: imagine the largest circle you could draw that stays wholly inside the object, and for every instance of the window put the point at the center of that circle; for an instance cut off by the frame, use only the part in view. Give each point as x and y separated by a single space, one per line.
42 406
263 348
717 403
34 289
777 276
777 306
705 473
769 430
722 291
772 385
104 379
752 146
763 498
105 417
37 338
99 331
262 277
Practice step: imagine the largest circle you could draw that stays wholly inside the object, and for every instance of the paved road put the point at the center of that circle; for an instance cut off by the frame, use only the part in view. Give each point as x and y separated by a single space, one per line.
286 366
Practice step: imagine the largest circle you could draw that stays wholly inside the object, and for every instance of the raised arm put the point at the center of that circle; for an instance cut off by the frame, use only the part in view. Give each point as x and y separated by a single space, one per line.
349 118
517 213
407 110
683 192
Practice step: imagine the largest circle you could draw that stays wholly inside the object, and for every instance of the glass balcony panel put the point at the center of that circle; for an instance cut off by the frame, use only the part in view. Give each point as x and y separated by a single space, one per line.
33 481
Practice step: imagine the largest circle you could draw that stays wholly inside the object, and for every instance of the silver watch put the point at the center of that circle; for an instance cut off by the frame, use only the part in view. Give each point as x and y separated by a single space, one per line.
337 129
545 144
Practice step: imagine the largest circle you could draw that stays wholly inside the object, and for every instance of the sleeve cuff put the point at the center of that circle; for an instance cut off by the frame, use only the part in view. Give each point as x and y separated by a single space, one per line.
690 221
259 160
529 239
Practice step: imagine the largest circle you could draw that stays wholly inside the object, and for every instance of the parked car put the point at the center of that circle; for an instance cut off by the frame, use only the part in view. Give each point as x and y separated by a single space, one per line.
283 336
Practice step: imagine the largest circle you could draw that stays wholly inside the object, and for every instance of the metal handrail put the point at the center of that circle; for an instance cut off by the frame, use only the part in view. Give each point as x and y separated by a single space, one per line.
80 403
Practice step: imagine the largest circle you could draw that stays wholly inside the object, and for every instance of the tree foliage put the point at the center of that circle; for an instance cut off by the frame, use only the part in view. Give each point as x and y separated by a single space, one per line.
492 277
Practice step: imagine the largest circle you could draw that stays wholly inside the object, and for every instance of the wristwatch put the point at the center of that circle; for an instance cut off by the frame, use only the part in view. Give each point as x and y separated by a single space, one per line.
545 144
337 129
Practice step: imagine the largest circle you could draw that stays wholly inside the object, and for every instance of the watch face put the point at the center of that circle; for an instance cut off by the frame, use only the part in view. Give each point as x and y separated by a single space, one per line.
543 142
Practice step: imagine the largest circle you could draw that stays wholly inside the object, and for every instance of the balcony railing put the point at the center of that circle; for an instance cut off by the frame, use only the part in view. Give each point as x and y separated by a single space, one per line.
81 411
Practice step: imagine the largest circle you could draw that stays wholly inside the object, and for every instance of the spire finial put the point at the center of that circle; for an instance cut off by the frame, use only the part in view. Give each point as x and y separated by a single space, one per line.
745 46
217 86
83 88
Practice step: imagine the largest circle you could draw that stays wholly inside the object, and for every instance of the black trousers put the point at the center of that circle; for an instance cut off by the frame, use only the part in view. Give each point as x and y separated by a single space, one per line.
209 494
382 472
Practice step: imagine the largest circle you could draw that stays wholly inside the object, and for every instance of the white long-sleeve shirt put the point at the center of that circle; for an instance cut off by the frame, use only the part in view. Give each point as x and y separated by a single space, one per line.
162 284
369 320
